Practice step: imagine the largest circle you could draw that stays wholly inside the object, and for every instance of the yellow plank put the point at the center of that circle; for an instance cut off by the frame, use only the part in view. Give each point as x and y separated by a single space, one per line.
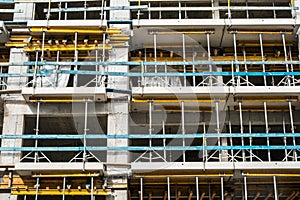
67 48
70 30
66 175
60 192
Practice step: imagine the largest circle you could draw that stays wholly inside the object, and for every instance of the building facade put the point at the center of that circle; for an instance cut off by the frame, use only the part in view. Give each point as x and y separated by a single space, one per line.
149 99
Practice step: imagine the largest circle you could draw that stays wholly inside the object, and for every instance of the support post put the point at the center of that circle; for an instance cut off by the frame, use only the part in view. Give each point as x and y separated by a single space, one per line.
169 190
267 129
245 188
183 129
197 187
262 57
275 188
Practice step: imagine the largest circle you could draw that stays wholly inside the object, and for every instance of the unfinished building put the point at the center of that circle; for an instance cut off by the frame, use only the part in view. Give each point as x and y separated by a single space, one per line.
149 99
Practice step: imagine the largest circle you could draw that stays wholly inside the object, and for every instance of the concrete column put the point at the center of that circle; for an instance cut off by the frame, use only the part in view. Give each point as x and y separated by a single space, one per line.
216 14
17 54
118 112
13 125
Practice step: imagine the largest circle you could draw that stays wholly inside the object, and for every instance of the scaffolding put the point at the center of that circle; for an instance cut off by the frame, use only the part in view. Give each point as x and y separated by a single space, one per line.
210 91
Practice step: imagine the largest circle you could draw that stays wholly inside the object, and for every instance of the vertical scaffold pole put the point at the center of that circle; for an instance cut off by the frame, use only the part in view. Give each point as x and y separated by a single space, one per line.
245 188
84 12
150 128
66 13
43 47
184 58
197 187
267 129
285 58
155 51
164 140
250 138
169 190
218 128
64 188
246 68
292 129
242 128
222 188
209 57
194 70
247 11
96 67
237 67
75 59
284 138
36 155
57 67
275 188
141 188
262 57
85 130
92 188
35 69
37 188
59 12
292 66
183 129
230 140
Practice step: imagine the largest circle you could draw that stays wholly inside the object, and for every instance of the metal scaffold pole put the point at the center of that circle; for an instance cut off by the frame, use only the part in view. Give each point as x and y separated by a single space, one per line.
183 128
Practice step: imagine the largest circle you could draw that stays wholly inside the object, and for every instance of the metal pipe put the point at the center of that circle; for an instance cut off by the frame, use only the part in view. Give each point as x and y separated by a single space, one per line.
164 140
183 128
150 129
59 12
84 12
209 56
37 131
76 60
37 188
141 188
284 138
197 188
57 68
184 175
270 175
293 129
262 57
66 14
155 51
169 190
184 58
85 130
237 68
222 188
218 127
246 68
247 11
250 138
267 129
43 46
275 188
96 67
285 58
92 188
241 128
292 66
64 188
230 132
245 188
35 69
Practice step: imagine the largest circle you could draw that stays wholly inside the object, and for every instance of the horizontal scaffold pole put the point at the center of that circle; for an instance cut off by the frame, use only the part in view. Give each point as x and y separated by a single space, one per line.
153 148
132 63
153 136
45 72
